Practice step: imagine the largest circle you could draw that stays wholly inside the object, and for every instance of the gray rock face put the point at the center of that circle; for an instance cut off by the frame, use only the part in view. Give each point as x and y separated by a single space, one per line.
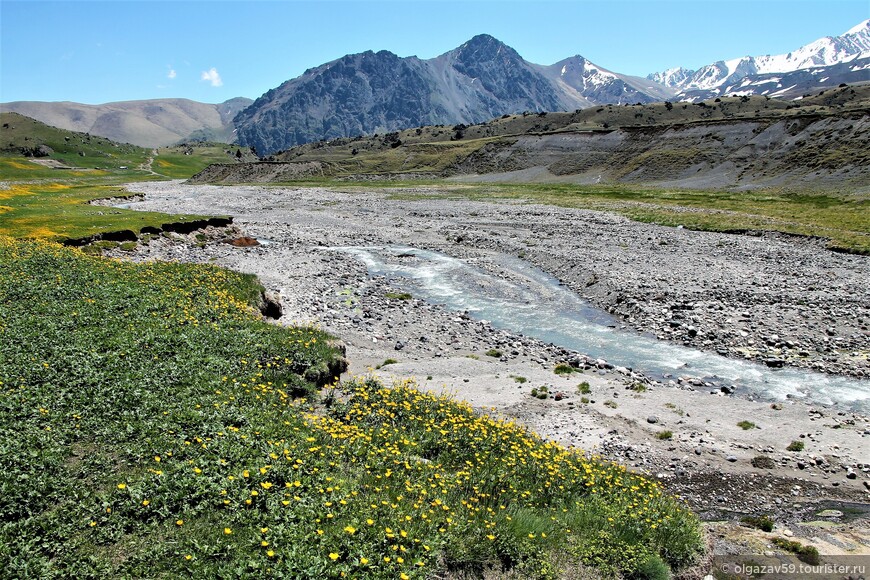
380 92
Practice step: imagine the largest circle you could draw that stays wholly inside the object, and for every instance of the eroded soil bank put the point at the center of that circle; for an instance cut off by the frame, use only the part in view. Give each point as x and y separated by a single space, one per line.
776 299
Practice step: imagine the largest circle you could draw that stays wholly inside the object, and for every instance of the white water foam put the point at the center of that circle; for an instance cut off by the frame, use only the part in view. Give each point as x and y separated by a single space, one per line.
536 305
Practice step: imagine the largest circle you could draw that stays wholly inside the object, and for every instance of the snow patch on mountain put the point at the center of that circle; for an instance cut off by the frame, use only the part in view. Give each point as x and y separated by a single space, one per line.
828 51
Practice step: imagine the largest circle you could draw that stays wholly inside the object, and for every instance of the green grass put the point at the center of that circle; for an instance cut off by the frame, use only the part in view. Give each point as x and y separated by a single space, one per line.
60 211
398 296
665 435
50 203
148 428
389 361
746 425
494 352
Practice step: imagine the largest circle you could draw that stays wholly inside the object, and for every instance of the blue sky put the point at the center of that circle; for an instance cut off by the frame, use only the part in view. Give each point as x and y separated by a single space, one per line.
210 51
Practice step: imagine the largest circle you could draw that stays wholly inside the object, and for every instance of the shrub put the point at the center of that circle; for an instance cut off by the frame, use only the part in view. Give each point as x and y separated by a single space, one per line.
494 352
808 554
541 392
763 462
611 404
519 379
583 388
795 446
665 435
563 369
389 361
746 425
638 387
398 296
763 523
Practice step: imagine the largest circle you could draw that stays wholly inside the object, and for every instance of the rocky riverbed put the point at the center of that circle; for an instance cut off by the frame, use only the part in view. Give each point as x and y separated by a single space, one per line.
780 300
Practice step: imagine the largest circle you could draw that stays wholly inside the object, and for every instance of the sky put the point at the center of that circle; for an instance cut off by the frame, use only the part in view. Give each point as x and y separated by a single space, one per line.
210 51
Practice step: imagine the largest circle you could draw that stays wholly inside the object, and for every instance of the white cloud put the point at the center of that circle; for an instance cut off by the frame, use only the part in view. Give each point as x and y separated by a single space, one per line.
212 76
171 74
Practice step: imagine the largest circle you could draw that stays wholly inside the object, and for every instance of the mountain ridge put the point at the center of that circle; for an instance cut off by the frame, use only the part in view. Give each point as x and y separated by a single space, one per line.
377 92
380 92
714 79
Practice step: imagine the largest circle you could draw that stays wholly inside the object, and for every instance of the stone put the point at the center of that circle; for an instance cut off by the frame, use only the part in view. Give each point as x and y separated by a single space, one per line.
652 419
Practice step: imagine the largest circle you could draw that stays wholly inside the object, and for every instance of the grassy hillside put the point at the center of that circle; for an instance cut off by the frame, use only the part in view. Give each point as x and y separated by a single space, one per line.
51 174
149 428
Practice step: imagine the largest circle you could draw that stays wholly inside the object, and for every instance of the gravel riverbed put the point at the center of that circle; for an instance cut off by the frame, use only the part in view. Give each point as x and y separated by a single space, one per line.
776 299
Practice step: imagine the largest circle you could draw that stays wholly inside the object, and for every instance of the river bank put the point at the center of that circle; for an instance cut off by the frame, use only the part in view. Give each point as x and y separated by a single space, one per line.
730 289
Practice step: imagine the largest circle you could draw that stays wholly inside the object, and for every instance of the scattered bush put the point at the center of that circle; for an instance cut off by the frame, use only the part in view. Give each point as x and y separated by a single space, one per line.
795 446
763 462
638 387
563 369
808 554
583 388
763 523
665 435
746 425
519 379
494 352
611 404
398 296
541 392
389 361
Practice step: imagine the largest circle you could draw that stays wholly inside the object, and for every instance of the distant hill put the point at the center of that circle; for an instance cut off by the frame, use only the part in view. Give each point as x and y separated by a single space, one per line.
149 123
59 149
819 142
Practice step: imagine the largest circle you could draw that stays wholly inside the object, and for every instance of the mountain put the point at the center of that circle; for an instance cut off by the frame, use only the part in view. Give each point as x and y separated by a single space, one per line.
756 74
821 142
379 92
148 123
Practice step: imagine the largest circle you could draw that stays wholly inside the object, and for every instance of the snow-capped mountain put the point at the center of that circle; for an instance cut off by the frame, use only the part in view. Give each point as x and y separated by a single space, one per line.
584 84
723 76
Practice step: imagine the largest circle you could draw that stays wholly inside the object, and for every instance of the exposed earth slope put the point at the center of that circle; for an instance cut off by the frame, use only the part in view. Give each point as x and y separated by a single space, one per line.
819 142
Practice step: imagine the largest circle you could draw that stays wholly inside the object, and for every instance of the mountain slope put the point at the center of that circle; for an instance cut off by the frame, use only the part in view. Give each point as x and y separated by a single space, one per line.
821 142
148 123
380 92
725 76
